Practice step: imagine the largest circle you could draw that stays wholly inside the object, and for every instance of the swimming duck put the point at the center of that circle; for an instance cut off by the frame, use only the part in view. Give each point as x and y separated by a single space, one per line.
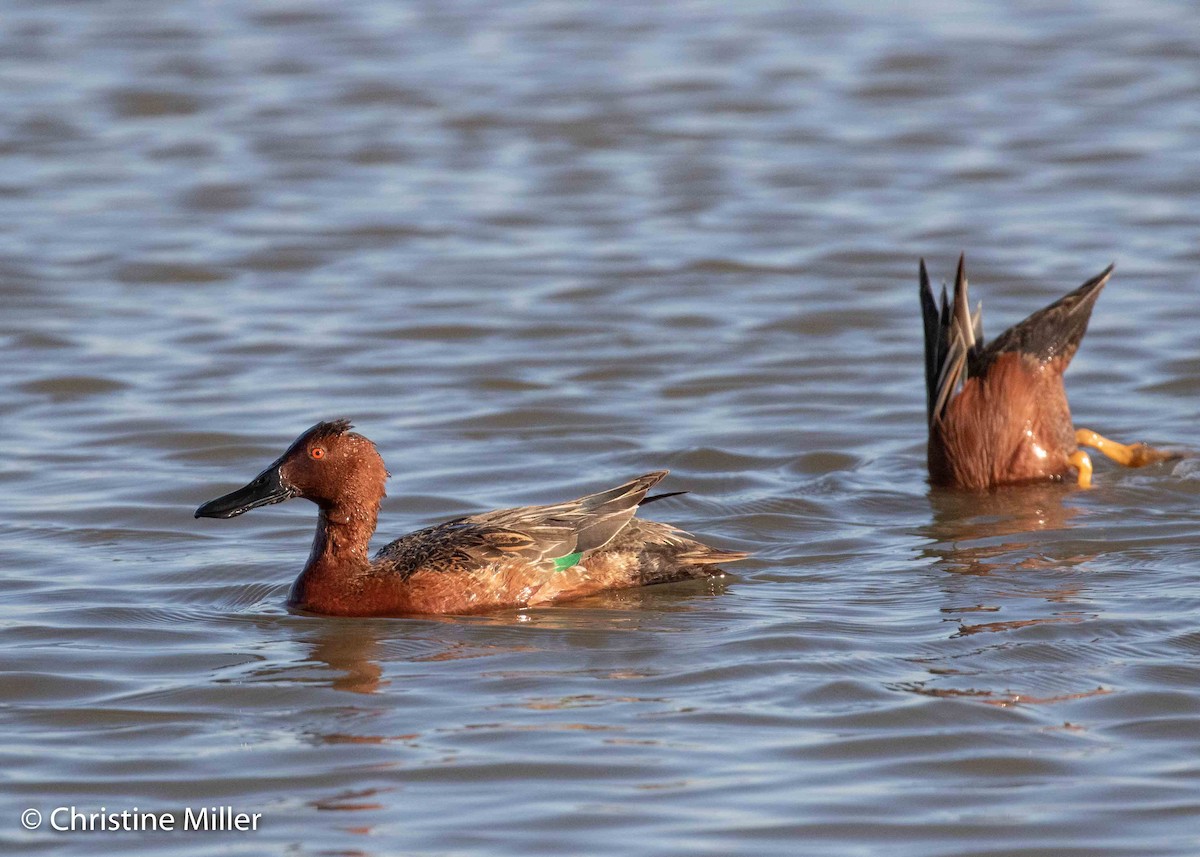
514 558
998 411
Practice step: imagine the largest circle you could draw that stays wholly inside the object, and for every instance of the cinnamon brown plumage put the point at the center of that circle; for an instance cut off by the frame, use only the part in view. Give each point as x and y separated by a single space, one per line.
521 557
998 411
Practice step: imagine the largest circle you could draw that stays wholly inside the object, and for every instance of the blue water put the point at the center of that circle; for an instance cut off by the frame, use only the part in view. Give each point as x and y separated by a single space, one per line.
536 249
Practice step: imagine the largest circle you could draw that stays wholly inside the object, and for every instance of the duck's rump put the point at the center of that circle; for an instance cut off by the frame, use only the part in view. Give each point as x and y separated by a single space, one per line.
650 552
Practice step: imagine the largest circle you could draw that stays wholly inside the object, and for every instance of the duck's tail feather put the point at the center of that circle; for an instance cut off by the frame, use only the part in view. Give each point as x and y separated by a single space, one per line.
704 555
565 530
695 561
661 553
654 498
953 335
1053 332
606 513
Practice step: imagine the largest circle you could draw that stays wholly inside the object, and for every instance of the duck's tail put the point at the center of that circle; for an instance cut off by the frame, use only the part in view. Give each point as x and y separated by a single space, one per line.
1053 332
661 553
697 560
952 336
654 498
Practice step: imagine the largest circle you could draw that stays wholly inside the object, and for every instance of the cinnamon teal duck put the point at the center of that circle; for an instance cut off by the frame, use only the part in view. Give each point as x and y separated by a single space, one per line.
998 411
511 558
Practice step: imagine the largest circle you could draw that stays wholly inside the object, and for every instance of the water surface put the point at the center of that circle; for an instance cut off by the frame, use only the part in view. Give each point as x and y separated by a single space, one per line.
533 250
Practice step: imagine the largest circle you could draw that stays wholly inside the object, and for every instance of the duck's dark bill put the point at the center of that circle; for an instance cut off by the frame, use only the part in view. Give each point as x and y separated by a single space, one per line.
267 488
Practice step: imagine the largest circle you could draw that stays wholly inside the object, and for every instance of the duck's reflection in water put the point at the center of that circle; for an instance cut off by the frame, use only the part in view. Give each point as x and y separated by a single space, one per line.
351 651
1012 538
971 529
366 662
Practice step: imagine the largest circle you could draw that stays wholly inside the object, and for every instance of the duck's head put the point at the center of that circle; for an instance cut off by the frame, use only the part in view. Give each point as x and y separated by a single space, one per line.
336 468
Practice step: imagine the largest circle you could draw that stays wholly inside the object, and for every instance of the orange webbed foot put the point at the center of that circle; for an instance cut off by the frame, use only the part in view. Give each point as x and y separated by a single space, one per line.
1130 455
1081 462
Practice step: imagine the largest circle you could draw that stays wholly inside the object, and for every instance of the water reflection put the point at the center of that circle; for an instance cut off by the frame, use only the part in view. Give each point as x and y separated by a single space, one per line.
1001 550
532 244
351 651
970 530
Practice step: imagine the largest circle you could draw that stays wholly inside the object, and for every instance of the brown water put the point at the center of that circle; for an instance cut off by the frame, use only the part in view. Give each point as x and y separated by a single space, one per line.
534 250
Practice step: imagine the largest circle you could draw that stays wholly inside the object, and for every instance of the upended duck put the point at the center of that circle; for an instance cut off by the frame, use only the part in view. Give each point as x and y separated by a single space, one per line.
510 558
998 411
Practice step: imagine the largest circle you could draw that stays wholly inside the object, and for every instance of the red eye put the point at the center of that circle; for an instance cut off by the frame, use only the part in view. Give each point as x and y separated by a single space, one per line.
317 452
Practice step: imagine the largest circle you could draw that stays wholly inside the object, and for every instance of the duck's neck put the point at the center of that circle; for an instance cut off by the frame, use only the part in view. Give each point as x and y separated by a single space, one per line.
339 555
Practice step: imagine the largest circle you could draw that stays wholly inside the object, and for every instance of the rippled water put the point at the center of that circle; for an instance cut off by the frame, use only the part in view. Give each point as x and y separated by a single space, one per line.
535 249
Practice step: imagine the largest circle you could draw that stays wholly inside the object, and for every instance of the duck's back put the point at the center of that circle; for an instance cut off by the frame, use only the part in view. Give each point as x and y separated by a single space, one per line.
540 554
